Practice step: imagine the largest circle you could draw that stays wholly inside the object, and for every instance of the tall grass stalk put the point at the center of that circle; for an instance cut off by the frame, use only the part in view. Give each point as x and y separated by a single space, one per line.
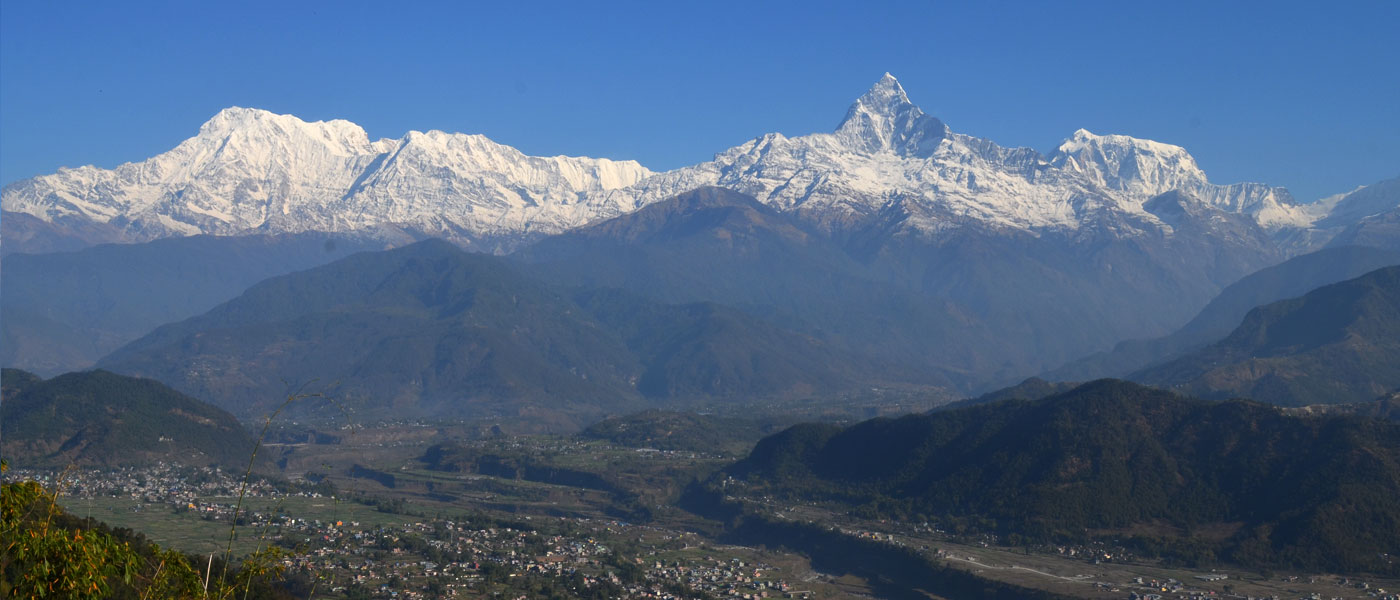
299 394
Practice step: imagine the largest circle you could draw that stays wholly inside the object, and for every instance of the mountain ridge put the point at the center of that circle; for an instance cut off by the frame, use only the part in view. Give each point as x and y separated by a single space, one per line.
1058 255
98 418
1328 346
65 310
1294 277
1101 458
432 330
888 153
252 170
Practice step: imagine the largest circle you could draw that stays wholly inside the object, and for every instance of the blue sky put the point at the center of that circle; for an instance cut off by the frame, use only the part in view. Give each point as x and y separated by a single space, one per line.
1304 95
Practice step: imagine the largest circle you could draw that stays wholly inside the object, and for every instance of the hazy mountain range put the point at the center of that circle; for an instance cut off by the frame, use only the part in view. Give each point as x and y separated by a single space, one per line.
1338 343
65 310
1292 278
428 329
892 253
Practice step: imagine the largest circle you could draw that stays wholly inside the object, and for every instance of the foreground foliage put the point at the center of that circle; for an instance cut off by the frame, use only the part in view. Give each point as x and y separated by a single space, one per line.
48 553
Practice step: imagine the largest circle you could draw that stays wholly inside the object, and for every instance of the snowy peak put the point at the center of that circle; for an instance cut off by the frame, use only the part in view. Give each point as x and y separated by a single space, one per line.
249 169
1128 164
252 169
885 97
258 124
884 120
888 157
1143 168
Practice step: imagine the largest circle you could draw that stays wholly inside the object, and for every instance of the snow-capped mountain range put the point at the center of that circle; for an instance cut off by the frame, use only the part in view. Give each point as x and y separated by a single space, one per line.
887 151
252 170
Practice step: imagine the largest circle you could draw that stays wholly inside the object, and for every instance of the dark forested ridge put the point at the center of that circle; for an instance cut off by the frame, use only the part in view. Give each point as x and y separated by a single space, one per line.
1335 344
104 419
1236 480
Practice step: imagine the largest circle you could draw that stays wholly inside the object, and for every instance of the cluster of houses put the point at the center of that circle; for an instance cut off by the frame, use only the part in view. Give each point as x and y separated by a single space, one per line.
448 559
160 482
725 579
433 558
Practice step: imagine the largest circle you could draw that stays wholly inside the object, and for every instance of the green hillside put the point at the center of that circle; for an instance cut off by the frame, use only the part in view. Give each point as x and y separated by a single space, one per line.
99 418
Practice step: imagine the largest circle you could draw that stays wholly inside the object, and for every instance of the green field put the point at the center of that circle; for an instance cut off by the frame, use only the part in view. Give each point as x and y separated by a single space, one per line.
190 532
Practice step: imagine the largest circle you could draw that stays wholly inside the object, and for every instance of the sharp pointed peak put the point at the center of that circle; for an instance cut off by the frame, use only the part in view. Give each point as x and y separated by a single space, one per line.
884 118
886 94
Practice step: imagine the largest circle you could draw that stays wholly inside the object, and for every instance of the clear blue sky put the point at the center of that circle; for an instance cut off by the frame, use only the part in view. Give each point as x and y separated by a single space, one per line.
1305 95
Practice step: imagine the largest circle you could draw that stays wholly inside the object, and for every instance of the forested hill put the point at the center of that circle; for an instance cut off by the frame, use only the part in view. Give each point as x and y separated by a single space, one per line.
101 418
1237 480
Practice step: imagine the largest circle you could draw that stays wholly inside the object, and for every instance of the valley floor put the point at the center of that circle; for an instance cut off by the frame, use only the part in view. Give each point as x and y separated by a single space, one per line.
381 524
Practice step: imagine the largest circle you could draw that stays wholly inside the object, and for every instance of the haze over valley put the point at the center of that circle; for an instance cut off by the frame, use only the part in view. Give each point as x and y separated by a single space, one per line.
282 358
